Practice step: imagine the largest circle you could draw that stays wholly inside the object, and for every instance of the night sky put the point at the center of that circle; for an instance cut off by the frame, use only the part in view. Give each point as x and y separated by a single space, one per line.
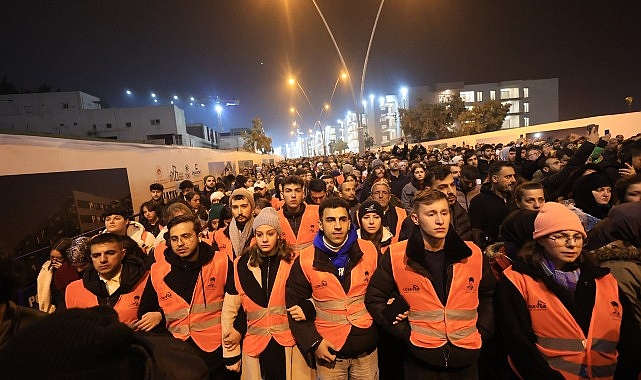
246 50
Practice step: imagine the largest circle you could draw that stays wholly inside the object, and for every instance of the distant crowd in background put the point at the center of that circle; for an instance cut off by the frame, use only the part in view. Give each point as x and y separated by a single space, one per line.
435 264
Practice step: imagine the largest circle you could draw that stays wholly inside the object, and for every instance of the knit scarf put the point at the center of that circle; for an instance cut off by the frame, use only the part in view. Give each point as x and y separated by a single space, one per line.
339 256
567 279
239 239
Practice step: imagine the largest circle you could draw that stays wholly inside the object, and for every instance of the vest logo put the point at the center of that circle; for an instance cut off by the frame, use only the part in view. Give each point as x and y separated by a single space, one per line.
540 305
322 284
212 282
223 245
165 296
313 228
470 284
366 274
412 289
136 302
616 309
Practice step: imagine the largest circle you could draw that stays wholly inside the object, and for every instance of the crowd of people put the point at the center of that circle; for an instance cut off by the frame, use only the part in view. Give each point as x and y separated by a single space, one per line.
518 260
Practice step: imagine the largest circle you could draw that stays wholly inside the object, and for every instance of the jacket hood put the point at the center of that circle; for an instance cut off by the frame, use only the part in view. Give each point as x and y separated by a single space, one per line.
618 250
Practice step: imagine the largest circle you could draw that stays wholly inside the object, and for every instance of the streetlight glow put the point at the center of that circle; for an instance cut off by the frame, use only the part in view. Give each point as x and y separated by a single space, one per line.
192 99
175 97
128 92
153 94
404 92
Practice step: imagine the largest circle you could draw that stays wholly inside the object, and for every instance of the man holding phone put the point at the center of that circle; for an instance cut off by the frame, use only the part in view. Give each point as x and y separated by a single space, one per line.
445 287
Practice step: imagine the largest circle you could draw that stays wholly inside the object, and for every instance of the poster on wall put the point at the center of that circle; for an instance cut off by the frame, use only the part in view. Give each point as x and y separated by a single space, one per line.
44 207
220 168
245 164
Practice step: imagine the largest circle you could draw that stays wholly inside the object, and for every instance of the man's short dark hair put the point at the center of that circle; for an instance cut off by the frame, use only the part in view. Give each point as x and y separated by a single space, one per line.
332 202
317 185
293 179
486 146
186 184
117 210
156 186
437 173
107 237
496 166
470 172
183 219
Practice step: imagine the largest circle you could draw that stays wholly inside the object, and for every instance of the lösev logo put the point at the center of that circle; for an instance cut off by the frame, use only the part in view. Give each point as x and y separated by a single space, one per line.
412 289
165 296
540 305
321 285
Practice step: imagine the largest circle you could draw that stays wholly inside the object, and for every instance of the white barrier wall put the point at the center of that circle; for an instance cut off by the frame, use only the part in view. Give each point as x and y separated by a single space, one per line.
626 124
145 164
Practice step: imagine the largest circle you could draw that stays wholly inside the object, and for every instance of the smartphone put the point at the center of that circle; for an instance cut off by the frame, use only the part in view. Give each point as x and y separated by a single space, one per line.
607 131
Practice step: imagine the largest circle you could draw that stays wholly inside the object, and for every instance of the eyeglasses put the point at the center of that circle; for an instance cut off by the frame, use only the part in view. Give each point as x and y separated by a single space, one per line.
184 238
563 239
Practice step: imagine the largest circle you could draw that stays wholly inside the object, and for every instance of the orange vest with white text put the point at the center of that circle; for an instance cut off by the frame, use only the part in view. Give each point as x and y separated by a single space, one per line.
266 323
306 232
337 311
77 296
559 337
432 323
200 319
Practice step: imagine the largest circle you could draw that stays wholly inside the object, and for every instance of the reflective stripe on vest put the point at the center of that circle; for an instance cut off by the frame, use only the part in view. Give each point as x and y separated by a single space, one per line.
306 232
560 339
199 320
266 323
337 311
432 323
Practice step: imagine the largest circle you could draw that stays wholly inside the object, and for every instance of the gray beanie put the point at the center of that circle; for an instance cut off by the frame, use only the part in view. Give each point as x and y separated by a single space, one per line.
267 216
376 163
245 193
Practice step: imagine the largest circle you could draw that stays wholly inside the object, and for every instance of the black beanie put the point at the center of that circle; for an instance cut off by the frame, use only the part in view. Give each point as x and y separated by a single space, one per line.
73 344
370 206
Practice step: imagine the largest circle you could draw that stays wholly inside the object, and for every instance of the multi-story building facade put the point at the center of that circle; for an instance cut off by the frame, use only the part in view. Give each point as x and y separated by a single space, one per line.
531 101
80 114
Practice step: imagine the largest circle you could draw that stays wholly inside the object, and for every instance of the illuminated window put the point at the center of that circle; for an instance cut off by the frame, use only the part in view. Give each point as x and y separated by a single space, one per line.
526 107
526 121
492 95
479 96
467 96
526 92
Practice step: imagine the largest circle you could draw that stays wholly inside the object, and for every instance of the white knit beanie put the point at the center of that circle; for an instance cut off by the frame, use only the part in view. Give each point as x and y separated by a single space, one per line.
267 216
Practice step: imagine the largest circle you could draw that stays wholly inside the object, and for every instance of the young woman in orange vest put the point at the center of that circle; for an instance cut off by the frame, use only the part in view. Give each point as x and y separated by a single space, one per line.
561 316
258 290
370 219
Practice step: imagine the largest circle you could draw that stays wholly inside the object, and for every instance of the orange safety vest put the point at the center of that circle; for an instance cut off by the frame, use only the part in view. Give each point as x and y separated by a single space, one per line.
306 232
224 243
199 320
277 204
77 296
265 323
559 337
432 323
337 311
159 251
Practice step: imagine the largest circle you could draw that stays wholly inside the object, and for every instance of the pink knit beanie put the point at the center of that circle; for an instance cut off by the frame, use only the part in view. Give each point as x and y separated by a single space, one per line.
554 217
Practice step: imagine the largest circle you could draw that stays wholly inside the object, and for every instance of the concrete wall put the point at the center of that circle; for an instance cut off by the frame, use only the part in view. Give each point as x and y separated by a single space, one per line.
626 124
145 164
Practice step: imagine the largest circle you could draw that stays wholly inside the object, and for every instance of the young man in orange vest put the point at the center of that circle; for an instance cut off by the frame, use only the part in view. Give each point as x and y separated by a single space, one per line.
299 221
237 236
445 287
338 333
116 280
186 288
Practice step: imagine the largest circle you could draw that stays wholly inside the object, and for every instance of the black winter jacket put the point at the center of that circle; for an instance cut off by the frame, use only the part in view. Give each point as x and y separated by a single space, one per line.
382 287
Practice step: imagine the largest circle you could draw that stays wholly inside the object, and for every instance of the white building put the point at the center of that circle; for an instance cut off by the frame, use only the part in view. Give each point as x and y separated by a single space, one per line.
80 114
532 101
